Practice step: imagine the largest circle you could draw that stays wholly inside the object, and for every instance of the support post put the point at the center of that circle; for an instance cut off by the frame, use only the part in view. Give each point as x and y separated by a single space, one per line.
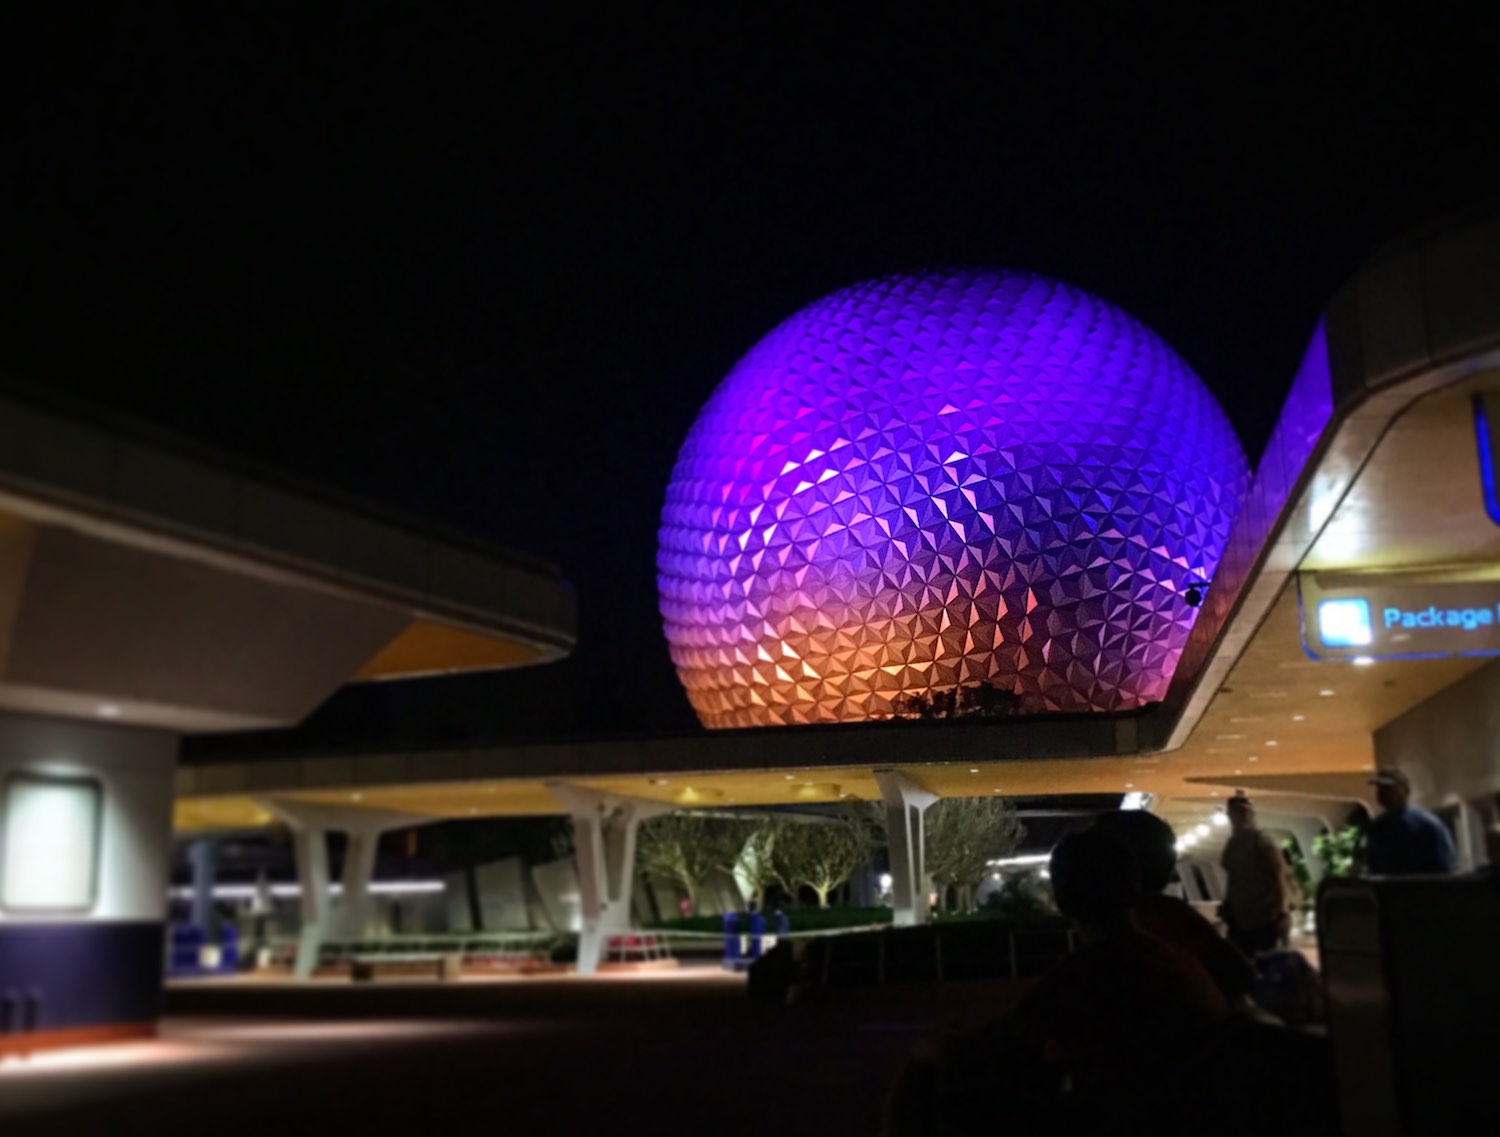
359 871
203 859
905 804
311 849
310 825
604 834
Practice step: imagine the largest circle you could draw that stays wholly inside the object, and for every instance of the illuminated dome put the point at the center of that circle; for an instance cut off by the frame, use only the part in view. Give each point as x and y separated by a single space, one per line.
941 480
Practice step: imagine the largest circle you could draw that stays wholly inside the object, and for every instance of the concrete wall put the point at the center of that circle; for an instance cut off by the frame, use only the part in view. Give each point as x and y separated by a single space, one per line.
1450 748
66 973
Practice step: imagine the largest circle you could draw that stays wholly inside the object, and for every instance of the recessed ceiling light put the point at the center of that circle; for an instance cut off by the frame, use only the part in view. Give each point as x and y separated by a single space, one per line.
108 711
1270 742
473 812
1326 693
1253 758
973 769
1299 718
791 777
1130 785
356 797
997 789
1239 771
1363 660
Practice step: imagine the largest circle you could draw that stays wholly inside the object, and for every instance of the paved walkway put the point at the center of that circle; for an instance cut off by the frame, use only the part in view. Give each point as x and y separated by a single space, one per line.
685 1053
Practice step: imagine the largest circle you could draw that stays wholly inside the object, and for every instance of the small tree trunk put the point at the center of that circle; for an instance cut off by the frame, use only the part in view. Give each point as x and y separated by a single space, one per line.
822 892
476 905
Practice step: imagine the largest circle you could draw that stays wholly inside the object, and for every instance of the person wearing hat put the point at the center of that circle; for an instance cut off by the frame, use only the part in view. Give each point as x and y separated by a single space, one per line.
1257 891
1405 839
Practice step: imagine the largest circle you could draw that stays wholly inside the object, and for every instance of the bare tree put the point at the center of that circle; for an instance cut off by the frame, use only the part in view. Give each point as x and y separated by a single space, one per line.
823 854
685 848
754 863
963 834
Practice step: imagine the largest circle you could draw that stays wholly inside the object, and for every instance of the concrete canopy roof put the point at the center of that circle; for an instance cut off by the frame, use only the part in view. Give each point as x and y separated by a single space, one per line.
146 580
1373 465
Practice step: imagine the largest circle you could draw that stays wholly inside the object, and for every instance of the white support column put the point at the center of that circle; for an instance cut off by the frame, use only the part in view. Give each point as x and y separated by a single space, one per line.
354 908
311 849
310 825
905 803
604 834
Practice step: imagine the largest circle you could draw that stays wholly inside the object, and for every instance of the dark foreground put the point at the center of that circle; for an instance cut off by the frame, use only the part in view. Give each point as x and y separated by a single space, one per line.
683 1053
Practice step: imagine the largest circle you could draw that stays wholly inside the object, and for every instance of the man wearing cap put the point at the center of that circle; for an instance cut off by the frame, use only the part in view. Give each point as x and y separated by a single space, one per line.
1257 894
1406 839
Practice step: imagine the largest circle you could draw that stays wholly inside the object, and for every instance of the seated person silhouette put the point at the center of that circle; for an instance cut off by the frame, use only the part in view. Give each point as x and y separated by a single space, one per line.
1098 1032
1125 1005
1170 918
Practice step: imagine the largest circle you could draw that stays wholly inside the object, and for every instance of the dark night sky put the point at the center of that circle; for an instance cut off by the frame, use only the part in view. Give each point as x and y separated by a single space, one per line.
486 271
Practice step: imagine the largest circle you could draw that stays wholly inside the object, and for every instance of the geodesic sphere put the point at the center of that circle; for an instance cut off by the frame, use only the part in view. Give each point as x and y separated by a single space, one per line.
937 480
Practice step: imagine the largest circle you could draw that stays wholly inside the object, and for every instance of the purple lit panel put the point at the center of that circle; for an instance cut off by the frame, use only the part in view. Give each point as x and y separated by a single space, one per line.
940 479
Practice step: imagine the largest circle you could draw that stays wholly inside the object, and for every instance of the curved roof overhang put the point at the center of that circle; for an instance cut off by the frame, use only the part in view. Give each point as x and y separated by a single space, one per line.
149 581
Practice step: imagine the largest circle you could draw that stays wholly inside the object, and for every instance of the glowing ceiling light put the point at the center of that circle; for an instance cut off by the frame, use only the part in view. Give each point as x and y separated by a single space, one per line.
1221 819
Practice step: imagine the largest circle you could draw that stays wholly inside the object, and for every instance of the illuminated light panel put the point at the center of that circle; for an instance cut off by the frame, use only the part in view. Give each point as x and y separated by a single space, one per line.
284 891
49 844
941 479
1345 623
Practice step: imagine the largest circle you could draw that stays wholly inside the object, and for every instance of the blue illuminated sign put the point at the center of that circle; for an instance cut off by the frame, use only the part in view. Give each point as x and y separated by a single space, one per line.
1365 616
1345 623
1466 619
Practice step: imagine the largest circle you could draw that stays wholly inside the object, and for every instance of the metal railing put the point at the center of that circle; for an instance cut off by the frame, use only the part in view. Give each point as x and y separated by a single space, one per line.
471 947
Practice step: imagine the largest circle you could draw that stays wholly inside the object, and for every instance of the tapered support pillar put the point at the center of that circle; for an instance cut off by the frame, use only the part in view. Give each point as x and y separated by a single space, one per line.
352 919
905 803
310 826
311 849
604 834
